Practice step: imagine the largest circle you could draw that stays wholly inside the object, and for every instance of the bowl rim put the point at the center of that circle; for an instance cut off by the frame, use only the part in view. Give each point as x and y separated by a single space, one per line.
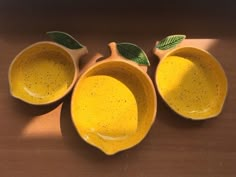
212 58
25 50
152 89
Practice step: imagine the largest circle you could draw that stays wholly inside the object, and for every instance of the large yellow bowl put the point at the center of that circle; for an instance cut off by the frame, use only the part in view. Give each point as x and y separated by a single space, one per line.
192 82
110 124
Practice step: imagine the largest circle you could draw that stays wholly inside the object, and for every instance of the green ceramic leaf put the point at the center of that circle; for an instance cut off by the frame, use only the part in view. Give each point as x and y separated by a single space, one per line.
64 39
132 52
170 42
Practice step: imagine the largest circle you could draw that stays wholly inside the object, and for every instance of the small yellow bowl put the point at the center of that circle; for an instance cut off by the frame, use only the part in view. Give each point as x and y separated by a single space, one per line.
44 72
192 82
113 104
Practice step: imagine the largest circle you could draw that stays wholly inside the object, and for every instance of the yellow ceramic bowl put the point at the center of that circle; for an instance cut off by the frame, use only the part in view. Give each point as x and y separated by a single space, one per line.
192 83
43 73
113 105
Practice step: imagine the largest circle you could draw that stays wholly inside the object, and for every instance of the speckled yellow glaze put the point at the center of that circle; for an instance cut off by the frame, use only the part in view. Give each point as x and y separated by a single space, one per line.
192 83
107 106
42 73
116 113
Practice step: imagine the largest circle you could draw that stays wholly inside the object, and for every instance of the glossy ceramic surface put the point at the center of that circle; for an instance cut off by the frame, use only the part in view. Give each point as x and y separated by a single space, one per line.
192 83
116 113
42 73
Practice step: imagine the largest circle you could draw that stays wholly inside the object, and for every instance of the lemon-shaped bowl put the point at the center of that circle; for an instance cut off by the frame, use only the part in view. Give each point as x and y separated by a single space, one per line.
43 73
116 112
192 82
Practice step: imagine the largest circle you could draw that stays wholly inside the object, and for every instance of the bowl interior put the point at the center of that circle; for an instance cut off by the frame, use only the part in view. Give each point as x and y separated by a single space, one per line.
41 74
192 83
144 94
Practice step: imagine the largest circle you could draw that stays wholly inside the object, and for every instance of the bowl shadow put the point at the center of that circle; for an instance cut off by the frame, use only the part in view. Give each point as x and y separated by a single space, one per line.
32 110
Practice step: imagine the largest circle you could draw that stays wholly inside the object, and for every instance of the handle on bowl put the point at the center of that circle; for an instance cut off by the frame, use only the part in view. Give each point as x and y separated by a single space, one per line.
77 53
160 53
115 55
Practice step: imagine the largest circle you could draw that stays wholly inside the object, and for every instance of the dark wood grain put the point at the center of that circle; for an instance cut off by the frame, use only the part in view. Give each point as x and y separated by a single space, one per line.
41 141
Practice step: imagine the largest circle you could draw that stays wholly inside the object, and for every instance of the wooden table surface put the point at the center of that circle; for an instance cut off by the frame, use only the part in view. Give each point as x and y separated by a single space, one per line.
41 141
